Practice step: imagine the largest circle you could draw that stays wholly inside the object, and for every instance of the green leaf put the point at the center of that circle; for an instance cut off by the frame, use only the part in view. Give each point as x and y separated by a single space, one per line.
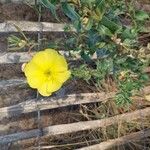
89 24
123 98
82 72
50 6
129 34
100 9
130 42
77 25
70 42
104 31
87 1
85 57
53 45
111 25
101 44
54 2
145 77
70 12
141 15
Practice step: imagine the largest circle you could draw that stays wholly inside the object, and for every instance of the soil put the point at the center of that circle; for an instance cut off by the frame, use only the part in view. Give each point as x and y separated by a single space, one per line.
11 11
15 95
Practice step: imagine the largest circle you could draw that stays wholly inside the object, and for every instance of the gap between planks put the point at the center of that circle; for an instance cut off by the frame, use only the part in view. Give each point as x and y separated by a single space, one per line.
75 127
133 137
142 6
4 84
57 102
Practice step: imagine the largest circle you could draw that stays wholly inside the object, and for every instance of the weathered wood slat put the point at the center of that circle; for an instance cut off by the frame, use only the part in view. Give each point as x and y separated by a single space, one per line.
4 84
14 57
20 57
133 137
31 2
130 138
54 102
28 26
75 127
57 102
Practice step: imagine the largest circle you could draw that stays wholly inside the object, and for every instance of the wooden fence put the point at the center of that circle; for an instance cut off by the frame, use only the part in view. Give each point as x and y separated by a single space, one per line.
33 105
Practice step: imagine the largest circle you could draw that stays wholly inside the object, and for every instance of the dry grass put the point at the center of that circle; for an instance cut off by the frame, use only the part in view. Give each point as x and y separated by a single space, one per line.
99 111
95 136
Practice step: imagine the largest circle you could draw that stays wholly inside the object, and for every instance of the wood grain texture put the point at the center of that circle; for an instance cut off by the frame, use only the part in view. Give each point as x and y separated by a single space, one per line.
20 57
31 2
53 102
57 102
29 26
4 84
75 127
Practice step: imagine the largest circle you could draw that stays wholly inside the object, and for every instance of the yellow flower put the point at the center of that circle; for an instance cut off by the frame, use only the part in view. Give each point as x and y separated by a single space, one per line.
47 71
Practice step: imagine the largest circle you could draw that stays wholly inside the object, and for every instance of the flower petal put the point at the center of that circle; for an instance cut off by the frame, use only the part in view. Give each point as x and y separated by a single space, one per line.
49 86
31 69
43 90
45 59
60 64
34 74
35 82
61 76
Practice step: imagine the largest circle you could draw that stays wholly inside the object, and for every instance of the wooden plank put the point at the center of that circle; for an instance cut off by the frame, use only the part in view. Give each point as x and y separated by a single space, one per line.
57 102
4 84
15 57
31 2
29 26
21 57
53 102
133 137
75 127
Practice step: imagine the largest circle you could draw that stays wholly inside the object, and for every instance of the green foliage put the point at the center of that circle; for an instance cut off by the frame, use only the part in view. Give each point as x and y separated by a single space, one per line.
131 83
51 6
21 42
83 72
141 15
97 75
16 43
100 31
70 12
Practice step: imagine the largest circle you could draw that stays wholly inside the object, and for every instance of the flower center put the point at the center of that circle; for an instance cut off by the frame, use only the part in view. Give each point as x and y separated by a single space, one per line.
48 73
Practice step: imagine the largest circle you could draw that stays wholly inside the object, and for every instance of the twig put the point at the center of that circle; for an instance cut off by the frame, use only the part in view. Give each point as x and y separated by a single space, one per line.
119 141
